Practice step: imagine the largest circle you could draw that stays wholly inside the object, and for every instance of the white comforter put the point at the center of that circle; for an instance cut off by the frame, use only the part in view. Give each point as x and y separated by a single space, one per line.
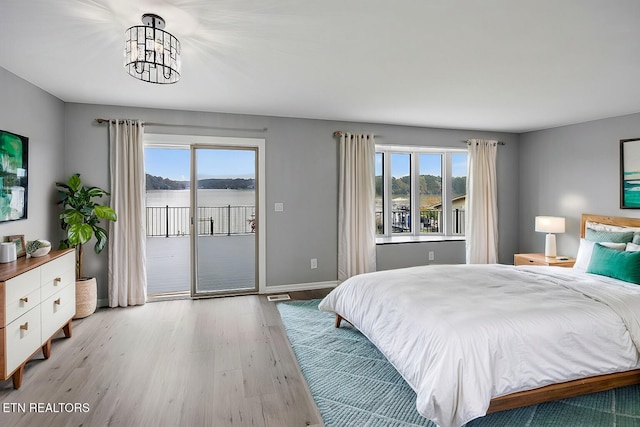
462 335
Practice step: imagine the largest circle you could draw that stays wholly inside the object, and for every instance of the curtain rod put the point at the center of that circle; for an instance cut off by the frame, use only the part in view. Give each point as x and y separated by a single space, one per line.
340 133
468 142
100 121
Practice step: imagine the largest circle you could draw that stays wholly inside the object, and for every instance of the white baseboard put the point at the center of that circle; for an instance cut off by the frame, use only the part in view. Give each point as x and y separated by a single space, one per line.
299 287
104 302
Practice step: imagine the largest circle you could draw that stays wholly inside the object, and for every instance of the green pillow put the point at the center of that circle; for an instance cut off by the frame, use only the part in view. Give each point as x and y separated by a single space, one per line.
608 236
636 239
620 265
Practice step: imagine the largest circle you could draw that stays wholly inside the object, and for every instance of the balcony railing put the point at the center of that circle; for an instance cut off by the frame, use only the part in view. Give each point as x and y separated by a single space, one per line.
430 221
170 221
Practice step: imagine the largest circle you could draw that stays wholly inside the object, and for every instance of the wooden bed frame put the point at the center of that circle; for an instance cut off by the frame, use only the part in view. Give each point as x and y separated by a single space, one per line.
569 388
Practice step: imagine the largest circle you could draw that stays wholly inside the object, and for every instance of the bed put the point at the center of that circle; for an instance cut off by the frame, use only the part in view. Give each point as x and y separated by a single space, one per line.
475 339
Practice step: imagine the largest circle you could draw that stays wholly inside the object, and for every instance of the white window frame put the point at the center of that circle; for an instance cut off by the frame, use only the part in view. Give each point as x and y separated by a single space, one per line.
447 211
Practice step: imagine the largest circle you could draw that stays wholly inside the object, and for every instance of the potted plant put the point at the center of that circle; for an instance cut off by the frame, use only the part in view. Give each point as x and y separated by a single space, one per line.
81 222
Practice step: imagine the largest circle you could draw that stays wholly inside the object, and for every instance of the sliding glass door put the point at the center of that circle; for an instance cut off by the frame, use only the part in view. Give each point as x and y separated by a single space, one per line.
167 220
224 215
203 215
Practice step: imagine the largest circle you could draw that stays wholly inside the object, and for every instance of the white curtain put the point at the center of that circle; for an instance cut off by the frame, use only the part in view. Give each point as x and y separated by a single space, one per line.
356 206
482 203
127 240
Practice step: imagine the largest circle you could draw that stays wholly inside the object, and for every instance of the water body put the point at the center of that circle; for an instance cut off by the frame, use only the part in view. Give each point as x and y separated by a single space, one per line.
631 189
208 198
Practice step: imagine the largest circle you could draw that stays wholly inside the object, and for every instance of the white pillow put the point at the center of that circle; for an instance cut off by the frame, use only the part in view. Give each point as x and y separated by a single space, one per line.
606 227
632 247
586 249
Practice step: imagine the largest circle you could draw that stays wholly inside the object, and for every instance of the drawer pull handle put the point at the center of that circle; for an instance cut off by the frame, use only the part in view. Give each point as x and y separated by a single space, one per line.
25 327
25 299
57 302
530 260
56 281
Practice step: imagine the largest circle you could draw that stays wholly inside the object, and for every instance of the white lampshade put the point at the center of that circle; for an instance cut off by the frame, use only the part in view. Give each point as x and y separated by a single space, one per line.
550 224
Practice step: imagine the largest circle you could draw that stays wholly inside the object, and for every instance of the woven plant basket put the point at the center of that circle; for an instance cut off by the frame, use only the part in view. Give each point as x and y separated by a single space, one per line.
86 297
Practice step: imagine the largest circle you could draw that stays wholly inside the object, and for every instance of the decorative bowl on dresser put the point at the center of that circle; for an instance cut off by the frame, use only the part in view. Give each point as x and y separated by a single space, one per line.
37 299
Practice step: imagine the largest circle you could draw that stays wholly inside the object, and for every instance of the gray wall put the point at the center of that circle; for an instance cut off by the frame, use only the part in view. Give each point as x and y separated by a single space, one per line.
568 171
31 112
301 172
399 255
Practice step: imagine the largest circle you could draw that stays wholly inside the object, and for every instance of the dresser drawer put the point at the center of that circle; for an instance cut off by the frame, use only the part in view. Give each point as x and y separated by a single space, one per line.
20 286
22 339
58 274
57 310
20 306
527 261
541 259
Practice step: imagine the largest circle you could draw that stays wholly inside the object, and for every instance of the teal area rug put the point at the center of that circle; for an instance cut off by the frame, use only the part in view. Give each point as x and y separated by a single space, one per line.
353 384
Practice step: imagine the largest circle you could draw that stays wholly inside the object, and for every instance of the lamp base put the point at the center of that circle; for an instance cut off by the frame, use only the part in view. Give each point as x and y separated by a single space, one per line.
550 245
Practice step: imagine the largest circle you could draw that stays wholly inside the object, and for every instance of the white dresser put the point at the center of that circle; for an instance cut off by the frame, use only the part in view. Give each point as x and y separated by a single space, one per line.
37 299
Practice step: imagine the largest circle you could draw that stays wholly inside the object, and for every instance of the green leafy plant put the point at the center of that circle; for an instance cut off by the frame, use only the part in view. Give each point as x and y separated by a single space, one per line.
81 217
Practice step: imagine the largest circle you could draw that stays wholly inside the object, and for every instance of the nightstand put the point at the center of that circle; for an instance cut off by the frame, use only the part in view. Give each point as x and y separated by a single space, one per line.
540 259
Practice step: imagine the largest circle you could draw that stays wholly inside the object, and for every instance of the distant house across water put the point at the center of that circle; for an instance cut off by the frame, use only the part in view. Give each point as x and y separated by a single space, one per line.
456 203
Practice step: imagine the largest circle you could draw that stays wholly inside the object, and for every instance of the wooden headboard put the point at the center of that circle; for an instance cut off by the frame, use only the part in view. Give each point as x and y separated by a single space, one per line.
609 220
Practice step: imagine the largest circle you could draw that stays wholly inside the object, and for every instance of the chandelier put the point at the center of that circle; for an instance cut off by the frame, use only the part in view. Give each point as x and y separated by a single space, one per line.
150 53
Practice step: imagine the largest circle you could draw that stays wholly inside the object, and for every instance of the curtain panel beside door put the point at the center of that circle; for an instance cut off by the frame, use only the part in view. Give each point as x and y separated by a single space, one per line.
127 245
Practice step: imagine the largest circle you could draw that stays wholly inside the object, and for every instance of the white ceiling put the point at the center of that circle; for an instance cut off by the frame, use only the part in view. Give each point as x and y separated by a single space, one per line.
501 65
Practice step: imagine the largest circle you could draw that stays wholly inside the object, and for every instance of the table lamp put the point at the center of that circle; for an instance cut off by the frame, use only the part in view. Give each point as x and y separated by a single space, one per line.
550 225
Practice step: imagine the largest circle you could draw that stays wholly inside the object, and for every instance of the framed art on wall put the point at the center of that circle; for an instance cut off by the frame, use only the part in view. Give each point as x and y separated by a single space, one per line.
13 176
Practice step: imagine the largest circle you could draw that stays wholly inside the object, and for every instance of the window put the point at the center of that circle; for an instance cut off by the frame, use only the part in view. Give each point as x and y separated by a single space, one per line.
400 192
420 191
379 194
430 193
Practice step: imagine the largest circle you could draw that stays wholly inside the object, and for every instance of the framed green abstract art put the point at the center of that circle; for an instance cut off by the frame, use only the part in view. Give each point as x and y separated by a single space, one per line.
13 176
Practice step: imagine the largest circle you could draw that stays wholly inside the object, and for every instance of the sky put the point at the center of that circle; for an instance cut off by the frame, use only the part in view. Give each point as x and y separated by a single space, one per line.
430 164
173 163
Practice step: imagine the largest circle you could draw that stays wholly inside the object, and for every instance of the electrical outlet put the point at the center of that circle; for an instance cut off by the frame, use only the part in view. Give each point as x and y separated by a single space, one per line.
431 256
279 207
314 263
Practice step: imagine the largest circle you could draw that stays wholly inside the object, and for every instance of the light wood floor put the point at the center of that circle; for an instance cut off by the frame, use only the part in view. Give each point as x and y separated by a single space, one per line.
214 362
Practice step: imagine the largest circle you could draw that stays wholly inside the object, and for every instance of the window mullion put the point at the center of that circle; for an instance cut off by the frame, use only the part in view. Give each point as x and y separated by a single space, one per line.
386 203
415 194
446 193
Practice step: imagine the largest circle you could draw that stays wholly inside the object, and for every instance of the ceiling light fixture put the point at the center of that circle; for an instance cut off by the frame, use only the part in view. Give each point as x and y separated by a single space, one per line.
150 53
